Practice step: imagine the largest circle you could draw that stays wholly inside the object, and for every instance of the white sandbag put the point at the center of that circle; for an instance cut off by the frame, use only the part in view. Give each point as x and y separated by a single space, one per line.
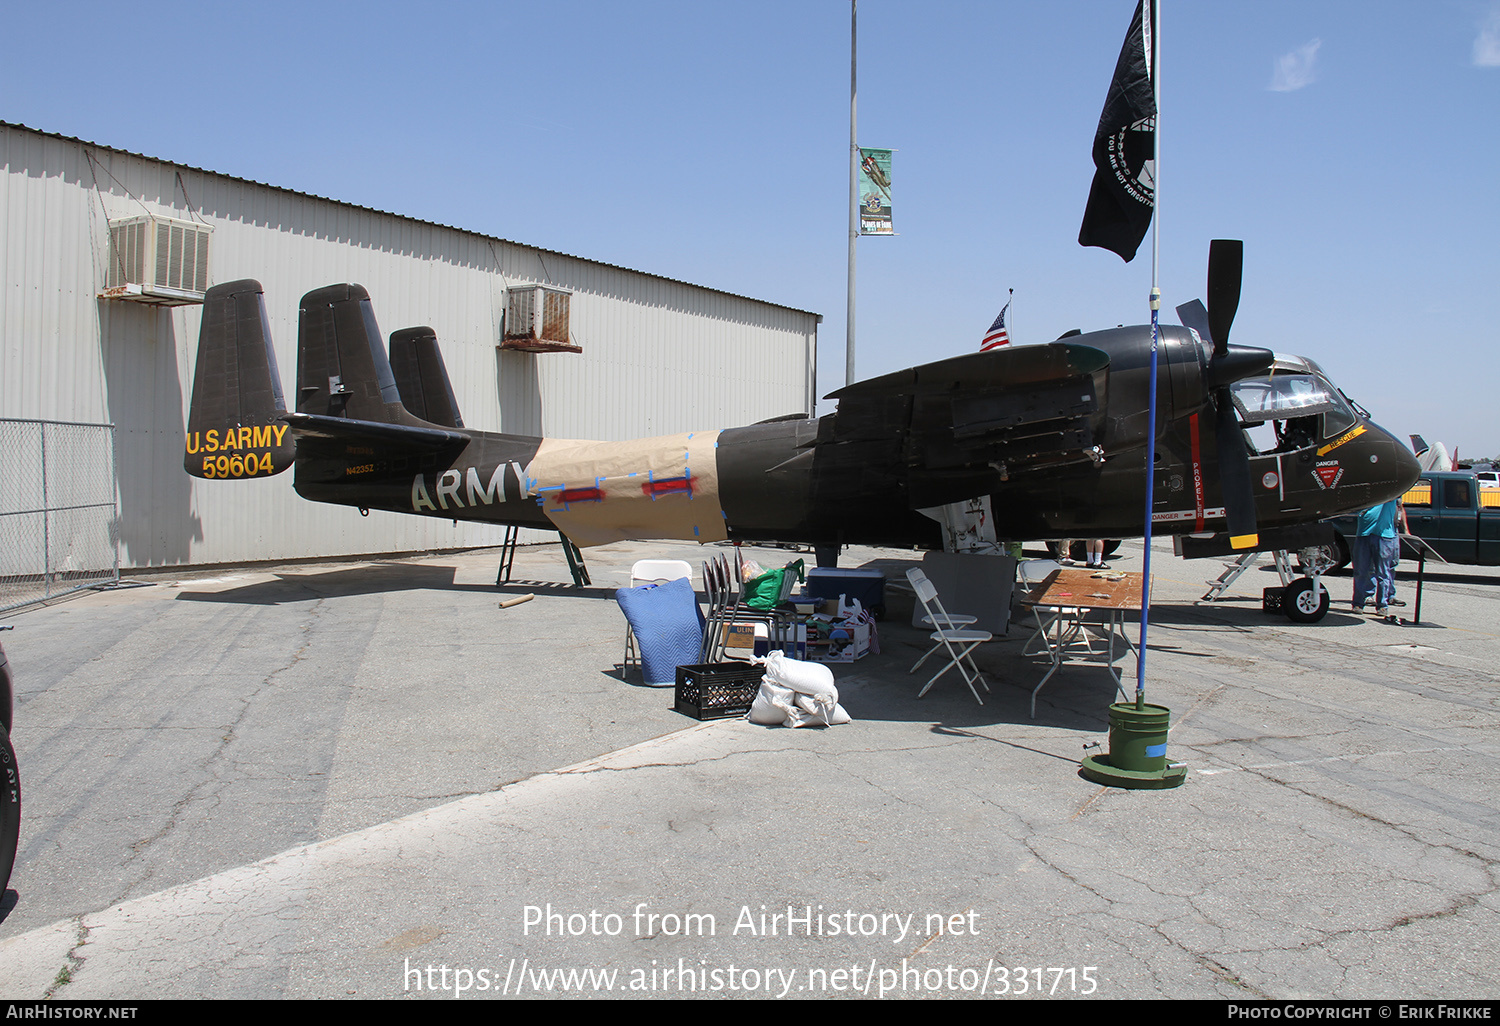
815 710
772 705
807 678
812 713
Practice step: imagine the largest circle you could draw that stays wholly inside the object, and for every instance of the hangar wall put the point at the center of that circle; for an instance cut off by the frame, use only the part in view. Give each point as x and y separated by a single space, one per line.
659 355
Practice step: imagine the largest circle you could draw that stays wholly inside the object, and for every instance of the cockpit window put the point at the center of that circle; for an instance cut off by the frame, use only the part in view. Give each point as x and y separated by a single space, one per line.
1282 397
1300 408
1339 419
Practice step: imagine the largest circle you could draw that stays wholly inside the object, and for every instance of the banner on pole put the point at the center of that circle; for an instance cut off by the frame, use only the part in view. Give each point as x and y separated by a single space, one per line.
875 192
1123 194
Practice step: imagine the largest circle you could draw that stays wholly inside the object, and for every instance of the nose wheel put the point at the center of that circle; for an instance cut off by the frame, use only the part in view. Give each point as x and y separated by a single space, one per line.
1305 600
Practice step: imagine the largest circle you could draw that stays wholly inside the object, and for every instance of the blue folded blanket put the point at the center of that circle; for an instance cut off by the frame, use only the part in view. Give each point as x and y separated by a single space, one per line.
668 627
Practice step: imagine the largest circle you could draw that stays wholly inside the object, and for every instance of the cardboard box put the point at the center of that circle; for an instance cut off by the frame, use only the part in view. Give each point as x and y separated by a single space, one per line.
742 640
837 651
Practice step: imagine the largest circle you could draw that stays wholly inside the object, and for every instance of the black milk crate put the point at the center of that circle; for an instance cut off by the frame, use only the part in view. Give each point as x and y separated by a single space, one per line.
716 691
1271 599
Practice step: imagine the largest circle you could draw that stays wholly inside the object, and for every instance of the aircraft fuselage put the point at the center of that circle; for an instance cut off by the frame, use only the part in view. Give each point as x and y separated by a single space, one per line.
863 478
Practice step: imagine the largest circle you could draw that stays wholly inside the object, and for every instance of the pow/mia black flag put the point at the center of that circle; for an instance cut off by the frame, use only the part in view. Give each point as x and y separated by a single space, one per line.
1124 191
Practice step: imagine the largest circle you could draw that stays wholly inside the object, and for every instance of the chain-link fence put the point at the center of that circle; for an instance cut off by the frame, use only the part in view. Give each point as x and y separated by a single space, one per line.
57 509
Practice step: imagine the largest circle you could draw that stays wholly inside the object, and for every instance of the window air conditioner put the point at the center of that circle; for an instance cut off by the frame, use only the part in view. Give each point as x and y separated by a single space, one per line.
157 260
536 320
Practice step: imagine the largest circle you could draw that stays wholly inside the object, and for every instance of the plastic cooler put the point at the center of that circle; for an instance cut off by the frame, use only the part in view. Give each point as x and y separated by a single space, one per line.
868 586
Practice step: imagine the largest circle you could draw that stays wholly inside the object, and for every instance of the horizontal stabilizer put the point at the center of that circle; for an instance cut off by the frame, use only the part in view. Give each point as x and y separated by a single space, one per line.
394 437
234 427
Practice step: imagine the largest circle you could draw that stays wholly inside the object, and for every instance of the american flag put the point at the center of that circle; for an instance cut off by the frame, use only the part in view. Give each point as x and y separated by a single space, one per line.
997 335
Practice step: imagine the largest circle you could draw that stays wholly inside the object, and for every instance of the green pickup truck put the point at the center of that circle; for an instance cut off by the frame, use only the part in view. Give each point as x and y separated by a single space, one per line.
1450 512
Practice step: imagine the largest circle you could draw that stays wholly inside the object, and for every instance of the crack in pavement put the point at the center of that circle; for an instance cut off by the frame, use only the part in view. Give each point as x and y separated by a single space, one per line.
198 791
74 963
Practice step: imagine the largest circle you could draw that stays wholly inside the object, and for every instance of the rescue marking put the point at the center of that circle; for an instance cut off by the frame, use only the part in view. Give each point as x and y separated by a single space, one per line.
1353 432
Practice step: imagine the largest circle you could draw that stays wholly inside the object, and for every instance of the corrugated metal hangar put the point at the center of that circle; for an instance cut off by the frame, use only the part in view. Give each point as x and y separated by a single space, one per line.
106 254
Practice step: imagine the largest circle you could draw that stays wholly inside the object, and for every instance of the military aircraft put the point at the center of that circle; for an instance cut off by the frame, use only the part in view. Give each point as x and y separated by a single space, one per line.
1055 434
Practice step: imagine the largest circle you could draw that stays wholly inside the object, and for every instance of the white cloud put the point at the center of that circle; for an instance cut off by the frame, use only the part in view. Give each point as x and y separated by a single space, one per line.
1487 44
1295 70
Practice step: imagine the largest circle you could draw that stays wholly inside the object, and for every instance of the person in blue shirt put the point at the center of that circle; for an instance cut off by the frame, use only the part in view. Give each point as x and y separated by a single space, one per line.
1376 548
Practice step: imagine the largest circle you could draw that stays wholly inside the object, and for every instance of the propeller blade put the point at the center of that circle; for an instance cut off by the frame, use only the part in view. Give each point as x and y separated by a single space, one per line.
1234 475
1226 264
1193 315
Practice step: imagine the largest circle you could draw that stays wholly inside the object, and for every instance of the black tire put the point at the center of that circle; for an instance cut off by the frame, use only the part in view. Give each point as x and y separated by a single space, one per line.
1111 546
1334 556
1342 556
7 693
1301 605
10 809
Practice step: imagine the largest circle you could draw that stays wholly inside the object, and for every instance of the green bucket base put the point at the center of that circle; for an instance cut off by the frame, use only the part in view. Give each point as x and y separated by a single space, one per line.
1098 769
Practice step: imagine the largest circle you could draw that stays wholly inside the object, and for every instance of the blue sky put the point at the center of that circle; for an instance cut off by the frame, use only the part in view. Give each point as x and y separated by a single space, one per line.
1353 144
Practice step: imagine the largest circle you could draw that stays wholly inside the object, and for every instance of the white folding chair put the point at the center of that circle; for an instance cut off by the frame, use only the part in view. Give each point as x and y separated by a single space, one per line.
957 640
1065 621
651 571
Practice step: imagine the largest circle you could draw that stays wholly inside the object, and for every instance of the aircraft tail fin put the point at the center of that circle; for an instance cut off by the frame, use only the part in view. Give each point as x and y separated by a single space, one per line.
235 427
422 378
342 368
1435 457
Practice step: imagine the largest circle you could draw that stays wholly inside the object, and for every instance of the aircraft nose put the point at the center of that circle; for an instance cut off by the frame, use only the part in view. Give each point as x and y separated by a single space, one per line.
1401 465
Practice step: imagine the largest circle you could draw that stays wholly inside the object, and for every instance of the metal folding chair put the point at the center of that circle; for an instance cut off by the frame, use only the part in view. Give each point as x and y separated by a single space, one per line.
957 641
717 589
1065 622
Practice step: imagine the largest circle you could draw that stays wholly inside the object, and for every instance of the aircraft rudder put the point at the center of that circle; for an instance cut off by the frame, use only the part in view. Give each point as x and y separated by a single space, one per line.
422 377
235 428
342 367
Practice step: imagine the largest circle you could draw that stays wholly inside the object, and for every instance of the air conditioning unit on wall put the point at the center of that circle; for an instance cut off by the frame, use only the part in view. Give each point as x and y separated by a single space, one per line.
537 320
157 260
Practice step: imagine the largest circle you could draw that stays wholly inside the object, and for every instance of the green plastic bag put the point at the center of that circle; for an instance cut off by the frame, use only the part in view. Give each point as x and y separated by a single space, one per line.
764 592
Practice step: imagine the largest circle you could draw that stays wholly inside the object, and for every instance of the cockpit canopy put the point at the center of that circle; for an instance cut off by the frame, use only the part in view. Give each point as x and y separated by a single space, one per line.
1297 399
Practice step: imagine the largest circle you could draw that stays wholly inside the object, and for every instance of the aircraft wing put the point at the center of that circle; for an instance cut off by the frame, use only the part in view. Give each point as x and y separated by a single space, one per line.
967 422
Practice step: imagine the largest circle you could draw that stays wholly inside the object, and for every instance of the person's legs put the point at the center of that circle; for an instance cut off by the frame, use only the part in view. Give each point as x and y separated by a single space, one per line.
1385 576
1364 570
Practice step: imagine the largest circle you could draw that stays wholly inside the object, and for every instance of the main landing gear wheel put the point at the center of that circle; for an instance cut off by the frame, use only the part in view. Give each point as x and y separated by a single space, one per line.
1333 556
1304 603
10 809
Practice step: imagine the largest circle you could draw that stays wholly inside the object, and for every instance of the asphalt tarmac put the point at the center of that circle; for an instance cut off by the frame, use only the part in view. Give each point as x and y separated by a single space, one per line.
369 780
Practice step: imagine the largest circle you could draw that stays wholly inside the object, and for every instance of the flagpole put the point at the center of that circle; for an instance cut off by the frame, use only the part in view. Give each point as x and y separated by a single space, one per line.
853 190
1153 26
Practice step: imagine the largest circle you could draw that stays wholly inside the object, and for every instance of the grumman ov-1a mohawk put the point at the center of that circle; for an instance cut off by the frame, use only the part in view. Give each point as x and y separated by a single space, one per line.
1055 435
